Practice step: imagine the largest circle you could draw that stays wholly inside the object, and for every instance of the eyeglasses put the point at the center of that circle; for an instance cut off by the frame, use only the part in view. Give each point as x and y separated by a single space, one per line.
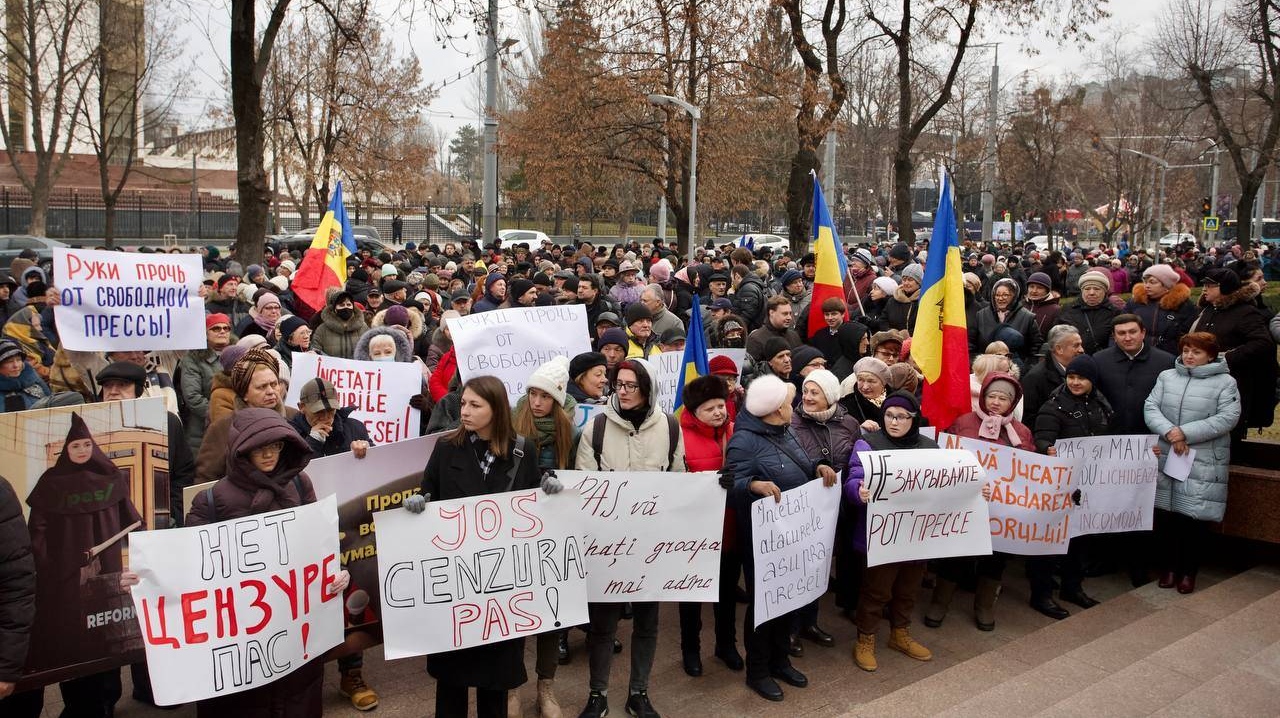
220 328
899 417
271 449
627 386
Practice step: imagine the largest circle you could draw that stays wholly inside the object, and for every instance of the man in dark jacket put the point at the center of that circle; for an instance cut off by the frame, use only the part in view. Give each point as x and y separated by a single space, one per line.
592 296
17 606
1127 372
1061 347
226 300
749 296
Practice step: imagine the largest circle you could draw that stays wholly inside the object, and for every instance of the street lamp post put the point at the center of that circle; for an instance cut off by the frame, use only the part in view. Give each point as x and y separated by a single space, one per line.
490 208
694 116
1164 168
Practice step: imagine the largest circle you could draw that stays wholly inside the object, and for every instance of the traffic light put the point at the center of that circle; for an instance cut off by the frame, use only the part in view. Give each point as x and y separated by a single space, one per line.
1206 207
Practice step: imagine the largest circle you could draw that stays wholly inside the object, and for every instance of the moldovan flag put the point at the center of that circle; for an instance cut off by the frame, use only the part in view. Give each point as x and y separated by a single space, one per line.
940 339
325 263
831 266
695 362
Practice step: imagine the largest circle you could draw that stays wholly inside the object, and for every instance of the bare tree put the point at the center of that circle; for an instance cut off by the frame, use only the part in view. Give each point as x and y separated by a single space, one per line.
48 53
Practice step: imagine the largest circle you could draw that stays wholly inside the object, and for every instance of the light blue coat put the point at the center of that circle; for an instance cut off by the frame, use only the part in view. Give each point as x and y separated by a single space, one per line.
1204 402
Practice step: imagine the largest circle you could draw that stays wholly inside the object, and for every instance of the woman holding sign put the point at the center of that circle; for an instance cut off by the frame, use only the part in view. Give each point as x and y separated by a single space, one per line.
484 455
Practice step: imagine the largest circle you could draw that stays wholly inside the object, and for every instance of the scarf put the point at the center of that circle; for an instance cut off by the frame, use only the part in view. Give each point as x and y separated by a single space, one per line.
822 416
879 400
991 424
266 324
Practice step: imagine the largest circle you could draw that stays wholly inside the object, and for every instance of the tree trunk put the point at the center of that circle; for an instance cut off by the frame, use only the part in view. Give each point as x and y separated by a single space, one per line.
109 221
246 105
1244 212
39 207
680 215
558 221
903 168
800 196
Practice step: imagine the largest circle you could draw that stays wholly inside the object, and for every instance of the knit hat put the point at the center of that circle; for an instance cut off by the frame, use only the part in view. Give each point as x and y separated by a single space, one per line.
493 277
396 315
773 346
289 265
872 365
862 255
279 282
1163 273
1040 278
637 311
827 382
552 377
722 365
971 281
913 271
1003 384
802 355
289 325
252 271
227 278
704 389
244 369
266 300
902 400
389 270
767 394
614 336
1084 366
231 355
585 362
660 271
212 320
788 277
1228 281
517 288
9 349
1095 277
886 285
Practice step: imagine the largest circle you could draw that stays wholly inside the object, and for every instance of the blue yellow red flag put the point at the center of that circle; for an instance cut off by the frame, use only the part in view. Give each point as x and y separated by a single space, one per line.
324 264
940 338
695 362
829 260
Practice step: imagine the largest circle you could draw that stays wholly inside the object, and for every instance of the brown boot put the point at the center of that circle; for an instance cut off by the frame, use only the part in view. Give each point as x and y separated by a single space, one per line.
900 640
548 706
984 603
864 651
943 590
353 686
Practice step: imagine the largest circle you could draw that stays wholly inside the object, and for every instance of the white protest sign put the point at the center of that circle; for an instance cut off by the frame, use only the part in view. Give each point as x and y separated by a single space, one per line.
1117 477
792 541
583 413
649 535
122 301
668 366
924 504
511 343
479 570
1031 496
379 391
238 604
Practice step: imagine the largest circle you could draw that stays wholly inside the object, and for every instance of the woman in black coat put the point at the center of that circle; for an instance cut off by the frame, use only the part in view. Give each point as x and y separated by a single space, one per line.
456 470
1005 310
17 602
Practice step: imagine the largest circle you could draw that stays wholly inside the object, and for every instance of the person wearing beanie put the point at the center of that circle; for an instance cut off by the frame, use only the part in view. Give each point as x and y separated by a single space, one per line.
194 375
805 360
642 342
901 309
263 315
1006 314
544 416
495 293
893 585
764 458
707 427
1043 301
863 392
613 344
870 312
521 293
226 300
589 378
827 433
775 360
1092 314
254 380
631 433
295 336
899 257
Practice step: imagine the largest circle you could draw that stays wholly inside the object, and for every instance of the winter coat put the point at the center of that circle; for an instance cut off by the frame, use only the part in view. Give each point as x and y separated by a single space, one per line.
749 300
969 425
665 320
1126 383
236 309
704 446
222 398
1205 404
1094 323
1167 319
1046 311
22 391
757 339
1067 416
627 449
1241 330
871 441
642 350
626 294
17 585
337 338
827 442
446 415
243 490
453 472
182 468
345 431
901 309
404 350
195 377
975 393
1074 272
211 460
842 348
1019 319
439 345
1037 385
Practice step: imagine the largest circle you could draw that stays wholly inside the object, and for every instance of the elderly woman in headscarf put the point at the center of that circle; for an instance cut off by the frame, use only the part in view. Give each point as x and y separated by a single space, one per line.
25 328
255 379
392 344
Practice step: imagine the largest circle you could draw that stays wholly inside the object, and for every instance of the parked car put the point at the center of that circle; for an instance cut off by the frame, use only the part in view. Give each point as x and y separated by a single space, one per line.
513 236
1176 239
11 245
299 242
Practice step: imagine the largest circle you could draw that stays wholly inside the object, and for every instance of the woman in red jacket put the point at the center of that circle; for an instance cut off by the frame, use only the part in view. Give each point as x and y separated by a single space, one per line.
705 423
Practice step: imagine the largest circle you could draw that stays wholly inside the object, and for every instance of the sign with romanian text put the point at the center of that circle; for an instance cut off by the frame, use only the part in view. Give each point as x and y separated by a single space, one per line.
792 542
1117 478
379 391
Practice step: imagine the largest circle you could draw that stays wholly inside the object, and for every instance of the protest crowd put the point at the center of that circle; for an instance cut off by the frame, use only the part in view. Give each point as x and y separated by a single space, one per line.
1062 345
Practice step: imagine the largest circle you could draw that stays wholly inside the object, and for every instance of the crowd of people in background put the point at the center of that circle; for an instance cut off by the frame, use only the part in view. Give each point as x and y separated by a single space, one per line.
1078 342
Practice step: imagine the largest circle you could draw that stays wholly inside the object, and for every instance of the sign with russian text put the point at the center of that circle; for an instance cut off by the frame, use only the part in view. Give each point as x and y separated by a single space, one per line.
792 541
924 504
668 366
1032 496
479 570
1117 478
649 535
235 605
124 301
511 343
379 391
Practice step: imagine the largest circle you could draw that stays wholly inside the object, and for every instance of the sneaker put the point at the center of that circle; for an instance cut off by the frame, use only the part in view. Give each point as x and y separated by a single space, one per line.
353 687
638 705
597 706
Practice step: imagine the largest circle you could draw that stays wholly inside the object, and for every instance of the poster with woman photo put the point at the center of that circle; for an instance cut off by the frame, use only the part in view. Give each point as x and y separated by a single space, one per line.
89 475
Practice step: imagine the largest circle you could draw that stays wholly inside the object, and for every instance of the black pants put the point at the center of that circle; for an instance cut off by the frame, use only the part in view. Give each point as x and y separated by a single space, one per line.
849 562
766 645
1070 565
27 704
956 569
451 702
1182 540
725 610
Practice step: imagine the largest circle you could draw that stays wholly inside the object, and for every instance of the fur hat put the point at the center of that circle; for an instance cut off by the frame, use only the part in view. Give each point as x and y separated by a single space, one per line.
1163 273
704 389
1096 277
767 394
552 377
827 382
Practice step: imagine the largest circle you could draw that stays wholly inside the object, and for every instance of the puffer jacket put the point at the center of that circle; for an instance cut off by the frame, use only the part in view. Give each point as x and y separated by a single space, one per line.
827 442
337 338
749 300
211 460
704 446
627 449
1067 416
764 452
1166 320
17 585
1094 323
1205 404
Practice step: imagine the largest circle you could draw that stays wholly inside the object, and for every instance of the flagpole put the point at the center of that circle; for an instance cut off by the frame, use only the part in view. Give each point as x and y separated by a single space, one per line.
854 286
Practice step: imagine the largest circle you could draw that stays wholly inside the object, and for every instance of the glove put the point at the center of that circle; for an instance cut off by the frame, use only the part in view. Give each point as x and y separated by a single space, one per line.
417 503
551 484
320 435
726 478
418 401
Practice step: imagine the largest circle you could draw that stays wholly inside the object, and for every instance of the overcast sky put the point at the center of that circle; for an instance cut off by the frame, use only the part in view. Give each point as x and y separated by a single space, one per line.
1132 22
